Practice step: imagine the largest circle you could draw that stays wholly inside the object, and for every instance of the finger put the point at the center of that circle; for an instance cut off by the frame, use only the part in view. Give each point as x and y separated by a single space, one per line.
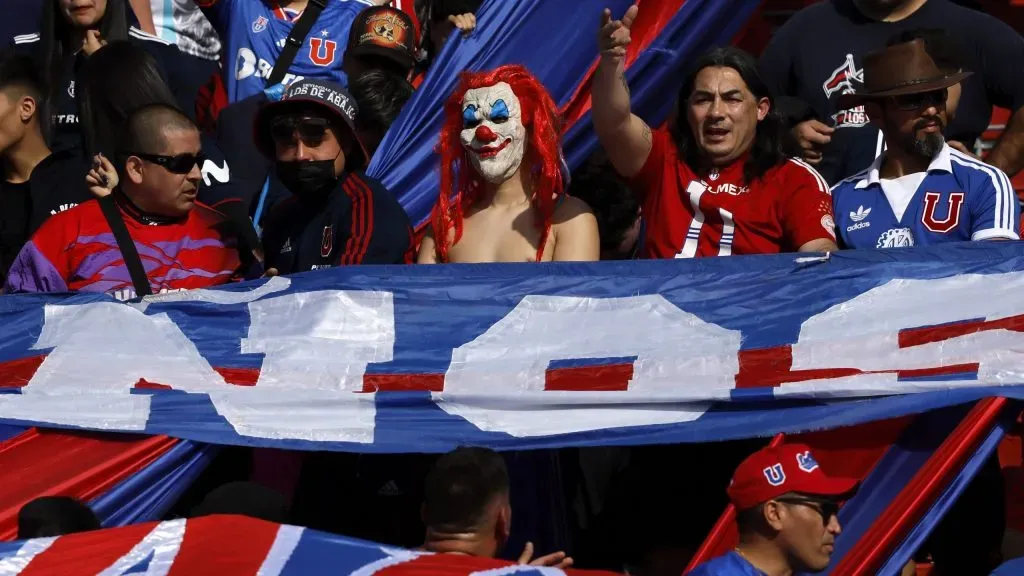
107 165
818 138
472 19
565 563
606 17
270 272
630 16
527 553
821 127
92 180
549 559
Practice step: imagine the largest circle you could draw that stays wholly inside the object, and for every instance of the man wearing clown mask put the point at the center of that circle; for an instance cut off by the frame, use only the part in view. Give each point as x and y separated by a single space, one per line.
502 195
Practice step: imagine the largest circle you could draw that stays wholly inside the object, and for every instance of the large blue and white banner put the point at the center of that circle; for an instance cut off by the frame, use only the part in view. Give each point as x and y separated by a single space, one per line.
425 358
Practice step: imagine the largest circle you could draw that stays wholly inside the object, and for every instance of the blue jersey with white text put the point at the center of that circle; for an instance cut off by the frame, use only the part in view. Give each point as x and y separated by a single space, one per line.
960 198
731 564
253 33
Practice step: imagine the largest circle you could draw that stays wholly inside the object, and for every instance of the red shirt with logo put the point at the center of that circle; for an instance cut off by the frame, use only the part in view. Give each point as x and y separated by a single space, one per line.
718 214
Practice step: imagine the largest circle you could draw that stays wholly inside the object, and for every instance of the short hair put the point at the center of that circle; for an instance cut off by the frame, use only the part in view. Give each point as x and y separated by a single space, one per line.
380 97
22 73
246 499
772 143
461 486
614 204
145 130
939 44
55 516
750 519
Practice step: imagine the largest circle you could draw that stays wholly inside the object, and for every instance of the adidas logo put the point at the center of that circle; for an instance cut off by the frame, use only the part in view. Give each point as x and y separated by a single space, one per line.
860 214
390 489
287 246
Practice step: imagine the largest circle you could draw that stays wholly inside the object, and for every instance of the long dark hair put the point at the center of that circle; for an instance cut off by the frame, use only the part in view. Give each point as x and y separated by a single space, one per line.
105 100
772 143
55 40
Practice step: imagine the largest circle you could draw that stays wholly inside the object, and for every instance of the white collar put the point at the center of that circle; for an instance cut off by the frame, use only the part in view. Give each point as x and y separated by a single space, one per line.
940 162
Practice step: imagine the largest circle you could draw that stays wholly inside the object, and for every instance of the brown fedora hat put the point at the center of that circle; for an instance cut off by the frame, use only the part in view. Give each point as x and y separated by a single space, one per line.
901 69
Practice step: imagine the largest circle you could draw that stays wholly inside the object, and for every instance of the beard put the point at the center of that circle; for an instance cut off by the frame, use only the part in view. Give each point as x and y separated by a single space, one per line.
930 144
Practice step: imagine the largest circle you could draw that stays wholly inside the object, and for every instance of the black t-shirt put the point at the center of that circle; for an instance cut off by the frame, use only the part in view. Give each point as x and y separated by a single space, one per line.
818 54
15 207
360 223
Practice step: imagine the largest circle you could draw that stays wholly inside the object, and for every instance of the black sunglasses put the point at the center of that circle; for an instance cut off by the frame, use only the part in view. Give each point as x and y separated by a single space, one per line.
826 508
920 101
180 164
310 129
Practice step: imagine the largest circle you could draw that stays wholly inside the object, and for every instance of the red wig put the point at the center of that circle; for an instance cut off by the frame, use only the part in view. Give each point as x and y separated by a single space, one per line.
461 185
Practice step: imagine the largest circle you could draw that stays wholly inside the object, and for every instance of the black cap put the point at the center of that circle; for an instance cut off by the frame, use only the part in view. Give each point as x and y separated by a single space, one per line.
384 31
331 98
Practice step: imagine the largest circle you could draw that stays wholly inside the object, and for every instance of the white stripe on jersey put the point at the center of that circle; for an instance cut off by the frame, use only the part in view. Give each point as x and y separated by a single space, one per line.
852 179
143 35
822 185
26 38
1000 182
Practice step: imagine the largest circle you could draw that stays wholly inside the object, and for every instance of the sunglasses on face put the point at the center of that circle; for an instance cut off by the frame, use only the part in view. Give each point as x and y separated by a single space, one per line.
920 101
827 509
311 131
180 164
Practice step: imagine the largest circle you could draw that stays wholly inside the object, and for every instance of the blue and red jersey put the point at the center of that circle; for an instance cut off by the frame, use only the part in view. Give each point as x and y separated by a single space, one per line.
253 33
76 251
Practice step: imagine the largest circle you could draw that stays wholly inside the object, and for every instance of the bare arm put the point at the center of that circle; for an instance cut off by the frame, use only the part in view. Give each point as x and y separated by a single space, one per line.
819 245
144 14
575 232
428 252
1008 154
625 137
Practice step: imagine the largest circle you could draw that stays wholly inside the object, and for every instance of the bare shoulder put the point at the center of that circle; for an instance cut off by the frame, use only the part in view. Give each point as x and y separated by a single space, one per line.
569 208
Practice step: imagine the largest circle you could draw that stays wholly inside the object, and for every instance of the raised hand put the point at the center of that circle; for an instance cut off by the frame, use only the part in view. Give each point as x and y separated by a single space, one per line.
102 178
92 42
613 37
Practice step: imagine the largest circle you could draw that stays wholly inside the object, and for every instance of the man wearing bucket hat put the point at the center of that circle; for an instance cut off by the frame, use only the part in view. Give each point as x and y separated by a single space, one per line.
336 215
786 514
920 191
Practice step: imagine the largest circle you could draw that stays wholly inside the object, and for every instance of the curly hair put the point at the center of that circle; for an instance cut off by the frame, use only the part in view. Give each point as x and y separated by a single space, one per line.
461 185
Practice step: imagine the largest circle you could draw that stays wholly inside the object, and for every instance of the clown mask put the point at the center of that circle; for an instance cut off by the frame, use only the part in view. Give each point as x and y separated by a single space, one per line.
492 131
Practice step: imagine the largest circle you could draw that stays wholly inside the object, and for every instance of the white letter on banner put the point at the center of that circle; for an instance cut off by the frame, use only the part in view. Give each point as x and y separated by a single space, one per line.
316 346
100 351
497 381
864 333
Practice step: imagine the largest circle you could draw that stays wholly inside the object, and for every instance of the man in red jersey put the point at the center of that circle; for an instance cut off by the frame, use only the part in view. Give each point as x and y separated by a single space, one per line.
718 182
181 244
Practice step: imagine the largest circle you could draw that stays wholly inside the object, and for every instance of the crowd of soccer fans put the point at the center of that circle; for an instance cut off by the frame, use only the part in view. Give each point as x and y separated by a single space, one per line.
161 145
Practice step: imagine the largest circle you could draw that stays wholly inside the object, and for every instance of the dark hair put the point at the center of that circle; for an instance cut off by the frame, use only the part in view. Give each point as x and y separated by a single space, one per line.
461 485
55 516
247 499
55 49
105 100
22 73
439 11
615 206
379 97
144 130
772 143
939 44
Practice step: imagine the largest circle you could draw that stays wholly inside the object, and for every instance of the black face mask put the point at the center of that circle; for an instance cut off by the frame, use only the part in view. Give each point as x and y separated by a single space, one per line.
309 180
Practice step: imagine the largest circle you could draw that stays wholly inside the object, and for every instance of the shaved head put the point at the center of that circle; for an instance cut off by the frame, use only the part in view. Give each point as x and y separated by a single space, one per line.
146 129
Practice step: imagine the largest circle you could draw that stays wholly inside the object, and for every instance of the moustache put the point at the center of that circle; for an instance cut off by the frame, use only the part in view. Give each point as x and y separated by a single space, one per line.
924 122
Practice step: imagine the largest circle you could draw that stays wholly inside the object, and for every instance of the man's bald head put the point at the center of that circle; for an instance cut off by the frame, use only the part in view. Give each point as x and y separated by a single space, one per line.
145 131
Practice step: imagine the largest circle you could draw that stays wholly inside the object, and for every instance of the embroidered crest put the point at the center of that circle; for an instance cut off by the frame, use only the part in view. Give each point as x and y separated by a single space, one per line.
327 243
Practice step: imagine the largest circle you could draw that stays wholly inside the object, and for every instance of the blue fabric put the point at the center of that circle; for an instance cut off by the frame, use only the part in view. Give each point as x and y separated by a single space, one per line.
557 42
909 545
729 564
1013 567
148 494
7 431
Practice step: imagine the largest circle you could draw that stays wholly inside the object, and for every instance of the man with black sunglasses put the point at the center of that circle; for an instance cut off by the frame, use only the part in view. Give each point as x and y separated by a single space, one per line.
920 191
180 244
336 215
787 515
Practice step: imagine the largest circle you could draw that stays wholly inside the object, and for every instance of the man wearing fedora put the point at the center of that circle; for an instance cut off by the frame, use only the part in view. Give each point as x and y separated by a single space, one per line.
336 215
920 191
